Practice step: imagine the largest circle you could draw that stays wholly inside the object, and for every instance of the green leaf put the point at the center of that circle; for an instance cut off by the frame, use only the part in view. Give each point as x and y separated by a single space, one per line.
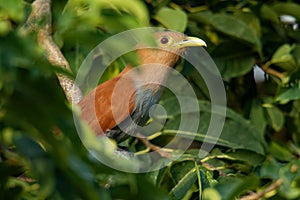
14 188
296 53
233 59
283 58
184 184
132 186
287 8
270 168
202 17
180 169
199 177
285 95
238 29
211 194
41 165
288 173
232 186
251 19
249 157
290 176
258 118
280 151
237 133
173 19
269 14
5 27
276 117
14 9
115 15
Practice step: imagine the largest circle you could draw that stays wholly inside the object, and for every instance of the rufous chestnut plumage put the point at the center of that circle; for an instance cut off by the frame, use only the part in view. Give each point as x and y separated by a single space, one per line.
123 102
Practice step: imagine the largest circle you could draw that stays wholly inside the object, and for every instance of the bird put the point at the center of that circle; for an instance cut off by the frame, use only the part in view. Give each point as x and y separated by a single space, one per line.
122 103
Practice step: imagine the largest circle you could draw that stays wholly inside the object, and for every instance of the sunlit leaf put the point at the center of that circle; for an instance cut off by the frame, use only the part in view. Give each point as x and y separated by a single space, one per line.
13 9
115 15
5 27
211 194
172 19
283 58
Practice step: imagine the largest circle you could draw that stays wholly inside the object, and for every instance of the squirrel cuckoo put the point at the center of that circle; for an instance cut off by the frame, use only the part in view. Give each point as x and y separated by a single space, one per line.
122 103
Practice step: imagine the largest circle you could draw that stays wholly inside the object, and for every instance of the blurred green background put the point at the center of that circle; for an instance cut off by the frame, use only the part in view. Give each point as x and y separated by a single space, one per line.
259 148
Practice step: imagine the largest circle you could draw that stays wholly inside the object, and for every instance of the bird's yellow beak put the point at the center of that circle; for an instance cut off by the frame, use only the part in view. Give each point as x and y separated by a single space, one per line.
190 42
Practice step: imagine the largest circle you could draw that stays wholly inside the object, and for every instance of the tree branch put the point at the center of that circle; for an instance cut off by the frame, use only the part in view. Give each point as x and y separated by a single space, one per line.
152 147
270 71
40 20
260 194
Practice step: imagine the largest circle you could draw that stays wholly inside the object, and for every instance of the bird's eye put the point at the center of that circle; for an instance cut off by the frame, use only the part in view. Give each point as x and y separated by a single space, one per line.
164 40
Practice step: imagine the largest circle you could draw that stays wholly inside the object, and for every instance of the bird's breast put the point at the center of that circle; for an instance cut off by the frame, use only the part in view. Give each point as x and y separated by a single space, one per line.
145 98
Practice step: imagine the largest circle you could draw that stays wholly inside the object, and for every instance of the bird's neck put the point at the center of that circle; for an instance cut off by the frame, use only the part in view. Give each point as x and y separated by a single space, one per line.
151 76
156 65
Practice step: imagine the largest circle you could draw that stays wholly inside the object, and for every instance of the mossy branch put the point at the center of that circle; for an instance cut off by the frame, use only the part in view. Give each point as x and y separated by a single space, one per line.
40 20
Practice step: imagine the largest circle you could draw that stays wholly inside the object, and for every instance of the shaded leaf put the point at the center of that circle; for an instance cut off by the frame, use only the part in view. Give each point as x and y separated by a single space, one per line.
250 158
233 186
276 118
238 29
233 59
237 133
185 183
288 8
270 169
258 118
285 95
251 19
280 152
290 175
269 14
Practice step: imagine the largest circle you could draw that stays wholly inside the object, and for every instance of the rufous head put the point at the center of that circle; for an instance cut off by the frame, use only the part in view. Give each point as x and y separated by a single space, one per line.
170 45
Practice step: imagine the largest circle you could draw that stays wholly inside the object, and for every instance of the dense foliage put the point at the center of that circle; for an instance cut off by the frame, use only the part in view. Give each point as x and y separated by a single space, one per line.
257 154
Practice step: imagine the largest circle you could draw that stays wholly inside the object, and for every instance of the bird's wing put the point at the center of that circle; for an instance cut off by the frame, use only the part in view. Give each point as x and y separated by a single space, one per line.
109 104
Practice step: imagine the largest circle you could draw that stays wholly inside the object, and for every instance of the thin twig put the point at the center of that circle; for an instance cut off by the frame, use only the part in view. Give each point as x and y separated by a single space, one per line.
153 147
40 20
260 194
274 73
211 167
271 71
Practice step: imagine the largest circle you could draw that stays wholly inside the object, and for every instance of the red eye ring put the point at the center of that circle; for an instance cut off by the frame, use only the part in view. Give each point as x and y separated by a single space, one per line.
164 40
